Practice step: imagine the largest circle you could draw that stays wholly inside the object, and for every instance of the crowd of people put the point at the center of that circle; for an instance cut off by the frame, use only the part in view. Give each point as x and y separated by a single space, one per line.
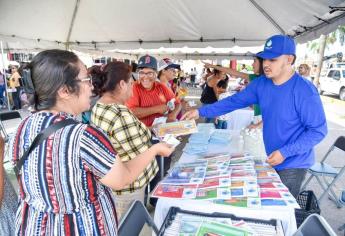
84 176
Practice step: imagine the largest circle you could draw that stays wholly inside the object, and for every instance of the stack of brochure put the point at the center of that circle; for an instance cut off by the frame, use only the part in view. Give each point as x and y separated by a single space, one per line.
235 180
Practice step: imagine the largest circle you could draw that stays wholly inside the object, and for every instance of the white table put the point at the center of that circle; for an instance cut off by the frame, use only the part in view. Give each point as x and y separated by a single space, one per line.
285 214
239 119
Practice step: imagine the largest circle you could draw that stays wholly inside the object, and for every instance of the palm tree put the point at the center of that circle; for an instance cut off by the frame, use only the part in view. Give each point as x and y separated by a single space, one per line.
319 45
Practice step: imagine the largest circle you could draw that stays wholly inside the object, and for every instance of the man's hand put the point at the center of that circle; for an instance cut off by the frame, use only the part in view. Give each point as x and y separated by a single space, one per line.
161 109
275 158
171 117
189 115
208 65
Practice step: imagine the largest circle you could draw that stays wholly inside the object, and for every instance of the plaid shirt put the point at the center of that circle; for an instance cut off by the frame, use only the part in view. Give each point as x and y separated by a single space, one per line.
129 137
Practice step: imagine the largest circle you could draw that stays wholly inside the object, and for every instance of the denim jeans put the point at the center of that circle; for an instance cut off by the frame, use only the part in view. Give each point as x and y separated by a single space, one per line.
221 124
16 99
293 178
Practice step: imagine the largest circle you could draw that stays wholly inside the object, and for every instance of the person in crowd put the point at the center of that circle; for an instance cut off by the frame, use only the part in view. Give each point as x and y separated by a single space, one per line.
167 73
15 85
8 198
292 112
221 121
128 135
206 73
86 115
27 94
313 72
258 71
244 69
2 90
134 71
150 98
304 71
208 95
193 74
66 181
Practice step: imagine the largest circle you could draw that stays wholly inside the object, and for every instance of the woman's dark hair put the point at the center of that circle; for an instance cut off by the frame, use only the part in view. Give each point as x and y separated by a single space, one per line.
261 69
106 80
50 70
222 84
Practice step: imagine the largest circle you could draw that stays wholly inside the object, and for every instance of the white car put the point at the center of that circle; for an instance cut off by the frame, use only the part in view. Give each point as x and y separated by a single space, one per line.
333 82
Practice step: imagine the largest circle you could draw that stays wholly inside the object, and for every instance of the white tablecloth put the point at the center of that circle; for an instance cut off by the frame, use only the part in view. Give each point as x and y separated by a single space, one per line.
286 214
239 119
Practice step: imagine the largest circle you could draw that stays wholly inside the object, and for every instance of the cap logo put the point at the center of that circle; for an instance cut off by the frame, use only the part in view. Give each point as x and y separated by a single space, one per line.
269 44
147 60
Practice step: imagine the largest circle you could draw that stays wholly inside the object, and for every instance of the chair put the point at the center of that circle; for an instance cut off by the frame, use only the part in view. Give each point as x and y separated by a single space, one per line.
135 219
9 122
342 201
315 225
321 169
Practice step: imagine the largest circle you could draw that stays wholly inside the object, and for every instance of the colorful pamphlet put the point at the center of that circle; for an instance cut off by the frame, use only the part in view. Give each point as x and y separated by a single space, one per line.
176 128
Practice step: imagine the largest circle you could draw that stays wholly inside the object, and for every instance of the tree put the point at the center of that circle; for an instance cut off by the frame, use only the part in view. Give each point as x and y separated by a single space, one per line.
325 41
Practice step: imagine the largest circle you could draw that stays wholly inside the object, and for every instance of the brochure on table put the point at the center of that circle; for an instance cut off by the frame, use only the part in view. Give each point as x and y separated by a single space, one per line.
227 179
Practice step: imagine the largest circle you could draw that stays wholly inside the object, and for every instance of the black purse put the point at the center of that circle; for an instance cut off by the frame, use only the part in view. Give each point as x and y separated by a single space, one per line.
39 139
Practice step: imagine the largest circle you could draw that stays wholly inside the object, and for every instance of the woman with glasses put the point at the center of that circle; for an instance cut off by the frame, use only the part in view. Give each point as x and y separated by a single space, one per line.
66 181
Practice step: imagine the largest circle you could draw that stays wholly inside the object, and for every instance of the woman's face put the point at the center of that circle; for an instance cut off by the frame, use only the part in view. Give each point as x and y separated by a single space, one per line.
83 99
170 73
256 66
128 89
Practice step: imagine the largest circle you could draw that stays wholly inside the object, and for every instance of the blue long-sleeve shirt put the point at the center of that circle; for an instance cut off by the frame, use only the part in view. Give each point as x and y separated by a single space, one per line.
292 113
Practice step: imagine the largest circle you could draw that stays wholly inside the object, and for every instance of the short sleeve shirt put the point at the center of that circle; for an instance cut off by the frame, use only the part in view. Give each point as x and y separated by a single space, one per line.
129 137
143 98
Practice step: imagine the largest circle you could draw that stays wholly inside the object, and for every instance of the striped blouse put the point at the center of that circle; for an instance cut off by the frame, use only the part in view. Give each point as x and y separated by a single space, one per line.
59 189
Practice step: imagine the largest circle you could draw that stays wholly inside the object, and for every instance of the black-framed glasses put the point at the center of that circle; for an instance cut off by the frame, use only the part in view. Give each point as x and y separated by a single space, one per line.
150 74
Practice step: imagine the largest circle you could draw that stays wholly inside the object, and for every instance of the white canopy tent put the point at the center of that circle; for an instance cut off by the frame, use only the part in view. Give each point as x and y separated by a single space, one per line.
107 26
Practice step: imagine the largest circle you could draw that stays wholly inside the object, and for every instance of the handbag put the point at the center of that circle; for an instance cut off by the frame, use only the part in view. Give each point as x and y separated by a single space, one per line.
39 139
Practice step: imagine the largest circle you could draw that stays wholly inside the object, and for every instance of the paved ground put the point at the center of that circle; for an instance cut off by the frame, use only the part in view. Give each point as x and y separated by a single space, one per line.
335 112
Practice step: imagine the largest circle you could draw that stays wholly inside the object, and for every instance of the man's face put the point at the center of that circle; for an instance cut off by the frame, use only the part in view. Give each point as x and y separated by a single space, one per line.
147 77
301 70
275 67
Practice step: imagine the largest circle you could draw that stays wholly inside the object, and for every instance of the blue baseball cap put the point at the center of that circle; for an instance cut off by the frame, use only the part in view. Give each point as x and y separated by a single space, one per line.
147 61
278 45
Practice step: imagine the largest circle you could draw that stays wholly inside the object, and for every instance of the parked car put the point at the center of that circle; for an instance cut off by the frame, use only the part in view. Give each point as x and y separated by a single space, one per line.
333 81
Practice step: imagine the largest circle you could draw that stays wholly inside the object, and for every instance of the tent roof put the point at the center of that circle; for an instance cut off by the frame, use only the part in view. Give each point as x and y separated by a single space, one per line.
130 24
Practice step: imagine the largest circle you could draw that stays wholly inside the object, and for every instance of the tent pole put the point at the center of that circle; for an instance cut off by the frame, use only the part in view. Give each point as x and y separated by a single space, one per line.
4 74
269 18
76 7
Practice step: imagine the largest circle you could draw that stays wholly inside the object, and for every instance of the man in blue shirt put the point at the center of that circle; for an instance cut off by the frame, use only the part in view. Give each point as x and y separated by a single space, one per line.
292 112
